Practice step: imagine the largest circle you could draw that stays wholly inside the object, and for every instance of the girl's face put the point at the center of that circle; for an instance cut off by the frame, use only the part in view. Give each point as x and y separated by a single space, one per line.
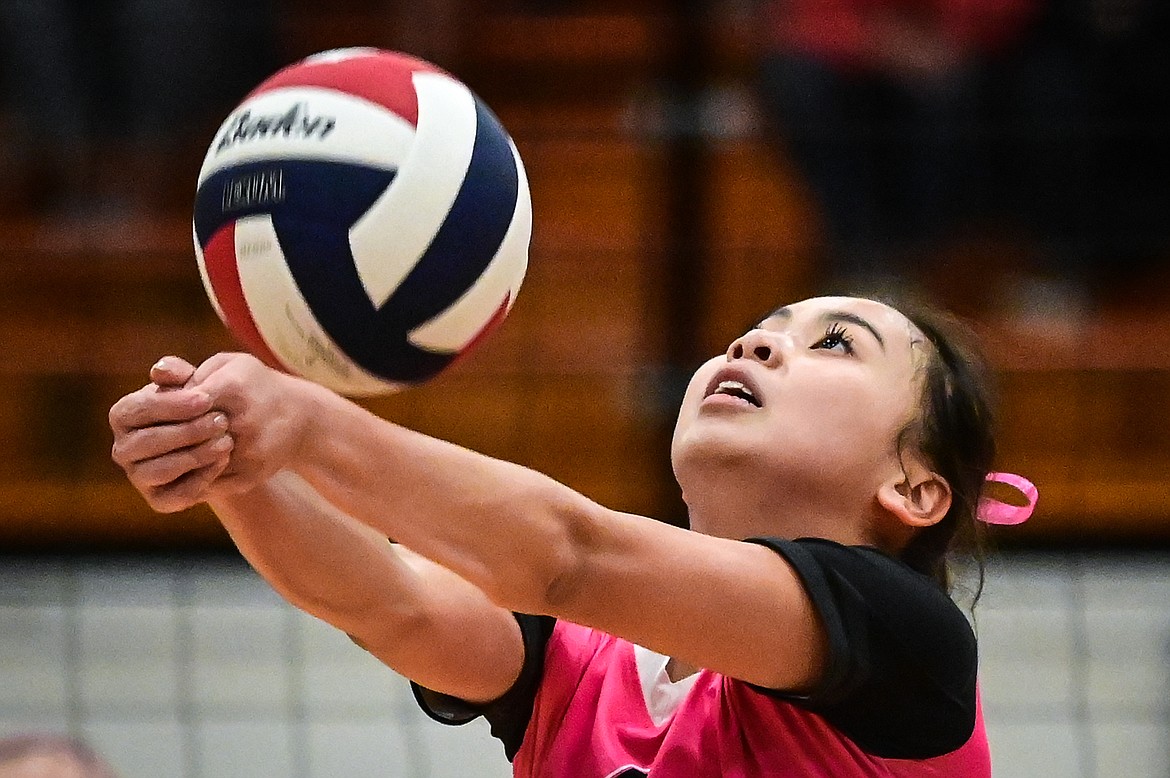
812 399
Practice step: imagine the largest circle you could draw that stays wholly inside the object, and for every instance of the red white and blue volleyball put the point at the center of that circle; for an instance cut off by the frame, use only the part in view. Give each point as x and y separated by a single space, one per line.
362 219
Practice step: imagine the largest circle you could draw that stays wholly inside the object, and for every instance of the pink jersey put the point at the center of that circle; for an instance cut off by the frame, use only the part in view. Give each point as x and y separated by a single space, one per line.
605 709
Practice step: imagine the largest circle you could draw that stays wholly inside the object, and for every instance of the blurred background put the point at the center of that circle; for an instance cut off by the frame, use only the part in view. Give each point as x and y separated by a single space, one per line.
692 165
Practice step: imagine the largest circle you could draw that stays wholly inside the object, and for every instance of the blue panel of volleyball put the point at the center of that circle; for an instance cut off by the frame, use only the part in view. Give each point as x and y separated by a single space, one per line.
362 219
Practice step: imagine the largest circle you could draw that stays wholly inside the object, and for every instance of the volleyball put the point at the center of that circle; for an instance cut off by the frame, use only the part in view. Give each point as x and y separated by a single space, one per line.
362 219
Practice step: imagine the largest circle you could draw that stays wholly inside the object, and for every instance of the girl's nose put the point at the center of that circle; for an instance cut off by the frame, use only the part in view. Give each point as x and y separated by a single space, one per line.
758 346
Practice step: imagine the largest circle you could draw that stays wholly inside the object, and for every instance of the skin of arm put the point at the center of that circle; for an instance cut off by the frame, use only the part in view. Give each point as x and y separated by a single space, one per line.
415 616
527 542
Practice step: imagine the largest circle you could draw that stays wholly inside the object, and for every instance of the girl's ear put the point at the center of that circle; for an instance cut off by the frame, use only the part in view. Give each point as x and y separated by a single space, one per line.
917 497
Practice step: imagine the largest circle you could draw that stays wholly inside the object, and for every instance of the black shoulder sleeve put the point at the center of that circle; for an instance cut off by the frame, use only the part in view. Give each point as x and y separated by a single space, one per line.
900 679
508 716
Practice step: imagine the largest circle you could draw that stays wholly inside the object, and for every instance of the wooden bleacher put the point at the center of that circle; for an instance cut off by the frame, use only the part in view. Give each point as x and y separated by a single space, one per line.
563 386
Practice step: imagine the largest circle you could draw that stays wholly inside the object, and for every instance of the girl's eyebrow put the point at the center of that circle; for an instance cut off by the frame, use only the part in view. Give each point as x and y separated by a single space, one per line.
845 316
853 318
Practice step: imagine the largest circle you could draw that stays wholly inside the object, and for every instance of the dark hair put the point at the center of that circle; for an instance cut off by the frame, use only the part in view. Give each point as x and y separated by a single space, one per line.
955 432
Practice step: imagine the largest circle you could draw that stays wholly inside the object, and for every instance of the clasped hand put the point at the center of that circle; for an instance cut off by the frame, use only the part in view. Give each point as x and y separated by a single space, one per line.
195 433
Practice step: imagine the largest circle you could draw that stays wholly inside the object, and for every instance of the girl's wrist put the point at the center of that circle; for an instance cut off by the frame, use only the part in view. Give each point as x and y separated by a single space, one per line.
308 409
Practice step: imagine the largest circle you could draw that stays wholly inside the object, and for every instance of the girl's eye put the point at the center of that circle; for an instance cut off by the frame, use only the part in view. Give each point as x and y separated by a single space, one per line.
836 337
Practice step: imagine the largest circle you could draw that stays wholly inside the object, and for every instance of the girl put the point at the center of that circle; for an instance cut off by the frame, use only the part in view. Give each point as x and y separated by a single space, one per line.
800 627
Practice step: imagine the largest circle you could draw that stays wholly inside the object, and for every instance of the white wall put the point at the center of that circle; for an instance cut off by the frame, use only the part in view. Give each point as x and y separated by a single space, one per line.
195 669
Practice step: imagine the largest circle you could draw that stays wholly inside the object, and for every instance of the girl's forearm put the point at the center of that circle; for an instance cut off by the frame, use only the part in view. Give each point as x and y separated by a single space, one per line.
506 528
418 618
313 555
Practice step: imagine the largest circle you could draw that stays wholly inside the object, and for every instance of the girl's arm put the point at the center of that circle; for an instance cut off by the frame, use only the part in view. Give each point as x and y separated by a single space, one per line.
417 617
414 615
529 543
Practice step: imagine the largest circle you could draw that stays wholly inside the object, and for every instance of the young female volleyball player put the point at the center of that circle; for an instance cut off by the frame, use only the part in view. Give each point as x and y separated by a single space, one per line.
800 627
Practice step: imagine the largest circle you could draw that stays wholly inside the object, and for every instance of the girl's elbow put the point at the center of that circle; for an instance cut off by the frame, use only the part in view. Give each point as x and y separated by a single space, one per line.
551 576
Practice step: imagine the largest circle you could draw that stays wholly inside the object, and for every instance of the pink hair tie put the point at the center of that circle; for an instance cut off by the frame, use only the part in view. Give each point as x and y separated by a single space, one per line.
993 511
